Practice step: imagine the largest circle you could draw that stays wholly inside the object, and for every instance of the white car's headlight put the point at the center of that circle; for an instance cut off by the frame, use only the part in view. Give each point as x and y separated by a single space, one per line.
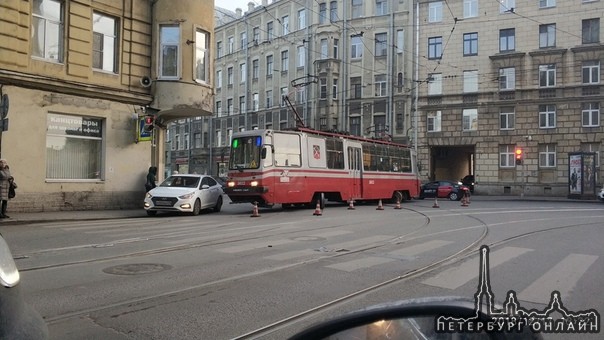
9 275
187 196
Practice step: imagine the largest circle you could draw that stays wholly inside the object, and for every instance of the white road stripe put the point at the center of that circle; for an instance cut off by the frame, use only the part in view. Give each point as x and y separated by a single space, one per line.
562 277
455 277
365 262
420 248
304 252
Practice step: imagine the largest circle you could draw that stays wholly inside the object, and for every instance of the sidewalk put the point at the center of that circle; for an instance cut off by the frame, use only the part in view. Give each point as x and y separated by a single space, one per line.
83 215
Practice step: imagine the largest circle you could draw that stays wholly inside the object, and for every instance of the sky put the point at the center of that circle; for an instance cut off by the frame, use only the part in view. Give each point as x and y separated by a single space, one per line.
233 4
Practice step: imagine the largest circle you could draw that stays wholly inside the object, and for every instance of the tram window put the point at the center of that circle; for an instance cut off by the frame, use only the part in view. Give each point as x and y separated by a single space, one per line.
287 150
335 153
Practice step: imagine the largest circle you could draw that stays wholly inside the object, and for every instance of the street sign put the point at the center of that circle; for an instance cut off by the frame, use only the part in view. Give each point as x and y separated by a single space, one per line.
142 135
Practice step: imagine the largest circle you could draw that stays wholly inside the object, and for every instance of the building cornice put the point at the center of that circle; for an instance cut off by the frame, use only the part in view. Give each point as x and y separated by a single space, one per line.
552 51
507 55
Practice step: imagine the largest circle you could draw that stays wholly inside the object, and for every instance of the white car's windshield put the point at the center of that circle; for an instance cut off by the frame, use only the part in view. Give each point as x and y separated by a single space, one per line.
180 181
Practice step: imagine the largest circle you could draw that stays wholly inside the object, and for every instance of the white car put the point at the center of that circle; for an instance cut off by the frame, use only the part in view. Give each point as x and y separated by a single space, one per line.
601 195
185 193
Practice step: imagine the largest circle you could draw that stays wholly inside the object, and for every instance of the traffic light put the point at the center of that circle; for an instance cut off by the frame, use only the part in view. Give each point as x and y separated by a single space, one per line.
519 156
148 123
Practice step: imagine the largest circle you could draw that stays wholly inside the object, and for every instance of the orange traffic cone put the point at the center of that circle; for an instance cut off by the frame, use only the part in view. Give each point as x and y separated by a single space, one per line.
255 210
318 209
380 206
464 200
398 204
435 203
351 205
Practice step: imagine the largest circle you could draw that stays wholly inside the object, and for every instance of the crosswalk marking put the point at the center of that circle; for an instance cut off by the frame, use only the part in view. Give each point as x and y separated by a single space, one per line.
562 277
365 262
420 248
455 277
304 252
266 243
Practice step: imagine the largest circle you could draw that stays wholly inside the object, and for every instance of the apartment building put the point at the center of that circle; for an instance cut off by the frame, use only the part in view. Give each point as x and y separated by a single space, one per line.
343 66
497 78
79 77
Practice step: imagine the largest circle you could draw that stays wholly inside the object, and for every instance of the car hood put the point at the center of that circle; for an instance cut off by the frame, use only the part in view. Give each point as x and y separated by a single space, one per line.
172 192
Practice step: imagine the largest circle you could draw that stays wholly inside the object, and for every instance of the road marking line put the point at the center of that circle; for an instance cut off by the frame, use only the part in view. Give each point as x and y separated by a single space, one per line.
420 248
365 262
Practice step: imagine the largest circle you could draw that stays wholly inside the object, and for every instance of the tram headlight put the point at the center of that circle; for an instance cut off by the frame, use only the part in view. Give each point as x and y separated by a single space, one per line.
230 184
254 183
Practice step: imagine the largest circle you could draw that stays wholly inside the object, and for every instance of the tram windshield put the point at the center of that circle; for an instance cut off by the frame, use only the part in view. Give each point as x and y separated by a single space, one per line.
245 153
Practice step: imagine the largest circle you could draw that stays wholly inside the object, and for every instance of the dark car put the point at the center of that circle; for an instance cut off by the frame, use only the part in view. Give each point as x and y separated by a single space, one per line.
17 319
443 189
469 182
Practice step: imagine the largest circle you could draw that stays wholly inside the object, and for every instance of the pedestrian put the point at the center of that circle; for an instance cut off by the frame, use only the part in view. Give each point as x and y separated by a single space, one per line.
5 183
151 178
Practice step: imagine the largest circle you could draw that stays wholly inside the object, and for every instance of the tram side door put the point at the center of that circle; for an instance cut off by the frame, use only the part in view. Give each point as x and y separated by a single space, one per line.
355 168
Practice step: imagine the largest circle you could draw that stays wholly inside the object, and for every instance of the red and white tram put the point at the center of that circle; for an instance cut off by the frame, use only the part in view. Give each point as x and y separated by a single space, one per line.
303 166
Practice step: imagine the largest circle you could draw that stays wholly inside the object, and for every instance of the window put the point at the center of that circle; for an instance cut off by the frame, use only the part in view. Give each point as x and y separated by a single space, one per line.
356 88
381 7
357 8
270 34
285 25
269 65
380 85
255 68
169 37
547 35
197 140
243 40
470 8
336 43
400 41
547 3
322 13
434 120
323 88
284 94
470 119
470 44
435 84
256 34
324 48
507 157
435 11
255 102
301 95
301 19
229 106
547 155
507 78
591 72
356 48
470 81
202 56
333 11
400 81
355 126
547 75
269 99
590 114
219 51
334 89
231 46
284 61
242 73
507 6
435 47
230 76
547 116
72 152
242 106
507 40
218 138
219 108
301 56
592 147
506 118
218 79
591 31
381 44
47 30
105 54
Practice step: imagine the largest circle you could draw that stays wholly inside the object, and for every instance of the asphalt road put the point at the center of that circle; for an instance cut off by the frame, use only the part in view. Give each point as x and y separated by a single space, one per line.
227 275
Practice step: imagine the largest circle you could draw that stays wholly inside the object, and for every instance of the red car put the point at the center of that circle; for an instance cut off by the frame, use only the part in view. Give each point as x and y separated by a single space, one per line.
444 189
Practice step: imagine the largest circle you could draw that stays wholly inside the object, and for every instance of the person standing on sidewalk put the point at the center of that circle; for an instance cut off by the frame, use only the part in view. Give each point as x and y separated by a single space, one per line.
5 179
151 178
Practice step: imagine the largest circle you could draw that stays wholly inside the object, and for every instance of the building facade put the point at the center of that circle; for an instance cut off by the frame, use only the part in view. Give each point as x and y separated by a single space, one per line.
500 77
79 77
343 66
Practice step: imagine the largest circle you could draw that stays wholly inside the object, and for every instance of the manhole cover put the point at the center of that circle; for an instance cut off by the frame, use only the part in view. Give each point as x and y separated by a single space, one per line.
136 268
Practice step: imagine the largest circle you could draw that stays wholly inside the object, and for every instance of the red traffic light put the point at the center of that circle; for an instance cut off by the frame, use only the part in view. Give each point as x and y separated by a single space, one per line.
148 126
149 120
